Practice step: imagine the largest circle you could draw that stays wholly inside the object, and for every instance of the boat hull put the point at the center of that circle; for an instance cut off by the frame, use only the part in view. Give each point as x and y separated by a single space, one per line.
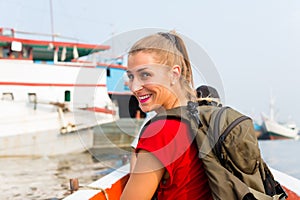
46 143
51 109
112 185
108 187
276 131
45 131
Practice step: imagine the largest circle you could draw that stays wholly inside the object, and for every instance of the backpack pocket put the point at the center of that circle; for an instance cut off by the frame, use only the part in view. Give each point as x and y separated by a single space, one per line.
240 148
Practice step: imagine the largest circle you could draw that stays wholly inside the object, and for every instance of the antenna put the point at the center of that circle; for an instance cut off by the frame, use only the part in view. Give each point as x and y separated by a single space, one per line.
272 106
51 21
112 39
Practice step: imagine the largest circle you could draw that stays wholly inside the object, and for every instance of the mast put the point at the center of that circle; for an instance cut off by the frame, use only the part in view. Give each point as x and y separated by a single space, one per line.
51 20
272 104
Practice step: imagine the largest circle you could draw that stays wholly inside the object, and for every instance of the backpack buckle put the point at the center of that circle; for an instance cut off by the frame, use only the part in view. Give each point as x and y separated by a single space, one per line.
193 112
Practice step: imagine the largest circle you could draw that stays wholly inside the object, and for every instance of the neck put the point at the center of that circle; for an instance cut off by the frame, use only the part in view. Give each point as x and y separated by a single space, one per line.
181 101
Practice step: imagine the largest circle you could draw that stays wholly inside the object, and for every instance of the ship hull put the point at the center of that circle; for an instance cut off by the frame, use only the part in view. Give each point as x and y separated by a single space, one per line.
276 131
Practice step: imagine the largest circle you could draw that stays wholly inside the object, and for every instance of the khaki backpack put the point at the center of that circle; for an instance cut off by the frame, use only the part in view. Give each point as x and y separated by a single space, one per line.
229 150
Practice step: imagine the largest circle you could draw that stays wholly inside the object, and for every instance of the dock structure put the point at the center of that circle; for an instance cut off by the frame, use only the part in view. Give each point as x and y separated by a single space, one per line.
116 136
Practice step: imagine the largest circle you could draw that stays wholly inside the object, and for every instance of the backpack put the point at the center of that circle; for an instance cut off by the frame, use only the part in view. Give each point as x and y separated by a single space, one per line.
229 150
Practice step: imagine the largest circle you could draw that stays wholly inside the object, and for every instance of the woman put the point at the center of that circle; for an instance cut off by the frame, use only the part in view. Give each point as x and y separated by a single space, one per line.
167 164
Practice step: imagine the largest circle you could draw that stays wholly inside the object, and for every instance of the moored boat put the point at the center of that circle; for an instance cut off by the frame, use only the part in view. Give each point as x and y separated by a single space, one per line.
272 129
50 101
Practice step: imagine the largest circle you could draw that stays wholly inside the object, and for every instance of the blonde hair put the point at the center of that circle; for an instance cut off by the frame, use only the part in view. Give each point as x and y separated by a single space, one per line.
169 49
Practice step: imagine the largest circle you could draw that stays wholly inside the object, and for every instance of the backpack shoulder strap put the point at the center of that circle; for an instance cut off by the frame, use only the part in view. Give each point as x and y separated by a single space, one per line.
219 138
216 127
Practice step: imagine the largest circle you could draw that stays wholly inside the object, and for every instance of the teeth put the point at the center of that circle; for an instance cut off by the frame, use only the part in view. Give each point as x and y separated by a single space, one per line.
144 97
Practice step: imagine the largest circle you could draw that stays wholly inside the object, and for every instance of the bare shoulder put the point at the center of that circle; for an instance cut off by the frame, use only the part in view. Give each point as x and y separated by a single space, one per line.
147 162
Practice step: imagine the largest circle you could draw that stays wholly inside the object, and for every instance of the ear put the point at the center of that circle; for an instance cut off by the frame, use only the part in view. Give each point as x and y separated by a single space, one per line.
176 72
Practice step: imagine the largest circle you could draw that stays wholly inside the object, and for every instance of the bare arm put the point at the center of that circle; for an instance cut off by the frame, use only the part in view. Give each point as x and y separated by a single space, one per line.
132 160
145 177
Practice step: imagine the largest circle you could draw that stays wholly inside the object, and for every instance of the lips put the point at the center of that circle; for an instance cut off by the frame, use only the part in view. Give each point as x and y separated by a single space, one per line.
144 98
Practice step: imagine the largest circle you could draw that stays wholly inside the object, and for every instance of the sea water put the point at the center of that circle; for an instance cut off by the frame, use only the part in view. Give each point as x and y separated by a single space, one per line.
282 155
48 177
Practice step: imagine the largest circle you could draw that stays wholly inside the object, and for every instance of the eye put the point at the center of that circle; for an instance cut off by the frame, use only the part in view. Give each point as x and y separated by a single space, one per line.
130 76
145 75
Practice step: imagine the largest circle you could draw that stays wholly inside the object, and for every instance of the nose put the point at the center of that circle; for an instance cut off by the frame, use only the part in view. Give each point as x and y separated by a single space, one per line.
136 85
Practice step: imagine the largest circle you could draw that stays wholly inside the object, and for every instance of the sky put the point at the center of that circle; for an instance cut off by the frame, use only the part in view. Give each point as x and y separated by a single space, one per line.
252 44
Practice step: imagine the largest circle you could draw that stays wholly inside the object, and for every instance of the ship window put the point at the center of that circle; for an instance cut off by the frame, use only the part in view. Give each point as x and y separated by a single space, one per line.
32 97
108 72
16 46
7 96
67 96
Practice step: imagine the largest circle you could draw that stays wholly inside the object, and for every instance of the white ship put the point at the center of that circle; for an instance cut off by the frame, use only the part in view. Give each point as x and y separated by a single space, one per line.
49 104
274 130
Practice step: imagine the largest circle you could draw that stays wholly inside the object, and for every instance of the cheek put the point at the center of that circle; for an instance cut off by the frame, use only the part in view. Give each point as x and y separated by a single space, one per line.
156 88
161 92
129 84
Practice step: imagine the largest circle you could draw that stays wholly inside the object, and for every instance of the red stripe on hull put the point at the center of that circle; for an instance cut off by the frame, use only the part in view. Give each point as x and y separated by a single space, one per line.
101 110
277 137
116 66
120 93
60 44
52 84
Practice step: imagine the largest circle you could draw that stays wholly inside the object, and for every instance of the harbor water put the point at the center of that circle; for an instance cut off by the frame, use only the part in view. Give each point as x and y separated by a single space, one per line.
282 155
48 177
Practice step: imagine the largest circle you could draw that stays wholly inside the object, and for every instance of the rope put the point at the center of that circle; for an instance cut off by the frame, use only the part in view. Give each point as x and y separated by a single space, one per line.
85 187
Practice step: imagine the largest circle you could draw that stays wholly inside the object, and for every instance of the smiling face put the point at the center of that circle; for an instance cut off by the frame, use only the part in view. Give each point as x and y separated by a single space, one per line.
151 83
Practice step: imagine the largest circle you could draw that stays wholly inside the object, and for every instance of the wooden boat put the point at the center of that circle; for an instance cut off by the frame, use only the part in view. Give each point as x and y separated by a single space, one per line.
51 98
111 186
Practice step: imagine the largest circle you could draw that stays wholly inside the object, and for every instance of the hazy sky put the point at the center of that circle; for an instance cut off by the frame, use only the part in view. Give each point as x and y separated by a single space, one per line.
255 45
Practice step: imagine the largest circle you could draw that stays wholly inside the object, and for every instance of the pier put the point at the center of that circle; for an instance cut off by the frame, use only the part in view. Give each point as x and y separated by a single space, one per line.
116 136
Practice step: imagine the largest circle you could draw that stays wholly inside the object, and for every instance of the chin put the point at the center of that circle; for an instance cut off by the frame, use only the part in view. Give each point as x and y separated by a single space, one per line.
147 108
156 108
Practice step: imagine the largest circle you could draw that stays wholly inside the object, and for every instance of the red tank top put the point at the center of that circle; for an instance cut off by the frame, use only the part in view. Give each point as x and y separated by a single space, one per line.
171 143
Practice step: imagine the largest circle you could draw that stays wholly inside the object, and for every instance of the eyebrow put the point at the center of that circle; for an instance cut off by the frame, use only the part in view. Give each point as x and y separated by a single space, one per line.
141 69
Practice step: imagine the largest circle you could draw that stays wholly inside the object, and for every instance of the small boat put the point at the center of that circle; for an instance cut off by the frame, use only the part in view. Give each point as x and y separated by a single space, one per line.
51 98
112 185
273 130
